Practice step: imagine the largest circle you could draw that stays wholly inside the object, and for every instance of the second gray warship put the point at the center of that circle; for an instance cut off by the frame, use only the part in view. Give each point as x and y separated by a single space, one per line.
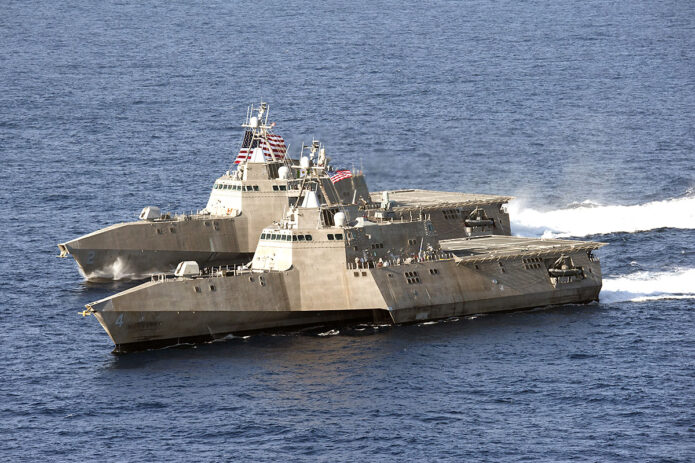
263 186
329 264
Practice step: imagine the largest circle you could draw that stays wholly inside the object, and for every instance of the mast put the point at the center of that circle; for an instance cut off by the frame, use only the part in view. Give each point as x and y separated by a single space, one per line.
257 124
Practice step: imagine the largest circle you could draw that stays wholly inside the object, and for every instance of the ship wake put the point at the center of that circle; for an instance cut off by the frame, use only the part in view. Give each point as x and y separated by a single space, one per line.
649 286
590 218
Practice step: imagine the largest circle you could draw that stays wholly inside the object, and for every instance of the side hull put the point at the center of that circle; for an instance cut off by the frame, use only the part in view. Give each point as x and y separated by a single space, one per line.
138 249
452 225
500 304
120 264
439 289
149 330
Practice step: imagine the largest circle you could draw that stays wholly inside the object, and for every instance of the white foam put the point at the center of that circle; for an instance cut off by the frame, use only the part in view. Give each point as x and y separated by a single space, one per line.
118 270
649 286
591 218
329 333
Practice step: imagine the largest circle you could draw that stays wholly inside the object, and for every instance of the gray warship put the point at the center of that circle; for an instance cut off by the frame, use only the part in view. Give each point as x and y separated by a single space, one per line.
262 186
328 263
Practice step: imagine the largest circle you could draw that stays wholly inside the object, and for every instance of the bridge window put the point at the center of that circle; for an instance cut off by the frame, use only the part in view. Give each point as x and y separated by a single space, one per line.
283 187
330 237
275 188
255 188
300 237
294 237
308 237
339 236
262 236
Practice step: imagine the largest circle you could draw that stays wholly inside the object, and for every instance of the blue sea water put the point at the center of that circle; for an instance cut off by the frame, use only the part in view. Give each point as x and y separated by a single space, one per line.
582 110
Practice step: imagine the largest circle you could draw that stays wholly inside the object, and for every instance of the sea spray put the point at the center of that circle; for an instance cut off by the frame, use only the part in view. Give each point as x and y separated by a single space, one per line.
590 218
646 286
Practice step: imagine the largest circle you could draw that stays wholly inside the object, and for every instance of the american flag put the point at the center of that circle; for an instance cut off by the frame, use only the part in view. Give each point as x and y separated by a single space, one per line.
339 175
274 143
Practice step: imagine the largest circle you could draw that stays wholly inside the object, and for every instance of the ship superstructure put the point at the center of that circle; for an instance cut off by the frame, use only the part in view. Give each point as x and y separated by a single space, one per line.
261 187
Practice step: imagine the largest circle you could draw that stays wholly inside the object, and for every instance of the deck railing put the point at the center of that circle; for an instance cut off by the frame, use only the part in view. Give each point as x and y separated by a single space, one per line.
426 257
214 272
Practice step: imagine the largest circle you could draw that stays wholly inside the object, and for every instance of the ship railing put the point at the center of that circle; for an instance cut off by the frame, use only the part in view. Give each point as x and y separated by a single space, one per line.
226 271
421 258
168 215
221 271
187 215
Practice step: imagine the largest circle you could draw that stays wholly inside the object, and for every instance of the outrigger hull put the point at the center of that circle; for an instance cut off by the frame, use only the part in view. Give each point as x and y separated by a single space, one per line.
136 250
98 265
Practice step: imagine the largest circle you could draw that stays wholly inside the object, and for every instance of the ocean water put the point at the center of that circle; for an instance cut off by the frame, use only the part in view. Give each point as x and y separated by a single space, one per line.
582 110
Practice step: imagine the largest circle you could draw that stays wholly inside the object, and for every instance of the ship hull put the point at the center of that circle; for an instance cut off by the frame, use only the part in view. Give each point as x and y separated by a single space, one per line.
123 264
135 331
498 304
174 310
135 250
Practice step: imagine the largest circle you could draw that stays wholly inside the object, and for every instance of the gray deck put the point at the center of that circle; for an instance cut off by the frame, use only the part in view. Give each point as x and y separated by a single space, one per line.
497 247
423 199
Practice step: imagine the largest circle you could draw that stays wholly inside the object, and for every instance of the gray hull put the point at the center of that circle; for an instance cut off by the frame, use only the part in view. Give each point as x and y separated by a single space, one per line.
135 250
151 330
121 264
502 304
485 275
170 328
